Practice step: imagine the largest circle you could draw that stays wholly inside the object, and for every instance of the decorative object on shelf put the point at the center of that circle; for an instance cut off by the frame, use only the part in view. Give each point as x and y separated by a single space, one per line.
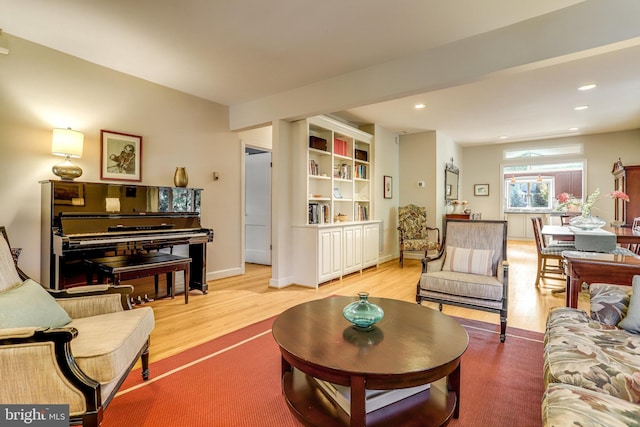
448 207
362 313
121 157
459 206
67 143
180 177
586 221
340 217
388 187
481 190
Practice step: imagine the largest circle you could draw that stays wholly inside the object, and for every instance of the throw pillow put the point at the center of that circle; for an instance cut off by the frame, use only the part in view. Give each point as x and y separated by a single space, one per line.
465 260
29 304
8 273
631 322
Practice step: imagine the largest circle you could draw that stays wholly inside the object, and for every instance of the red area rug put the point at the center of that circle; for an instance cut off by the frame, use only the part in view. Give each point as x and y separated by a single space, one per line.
235 381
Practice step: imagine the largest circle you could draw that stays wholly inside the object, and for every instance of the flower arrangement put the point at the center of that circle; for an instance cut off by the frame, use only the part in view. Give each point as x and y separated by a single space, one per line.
569 202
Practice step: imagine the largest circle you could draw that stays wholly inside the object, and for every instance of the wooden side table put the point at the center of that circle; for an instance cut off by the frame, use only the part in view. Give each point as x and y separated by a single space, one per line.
593 267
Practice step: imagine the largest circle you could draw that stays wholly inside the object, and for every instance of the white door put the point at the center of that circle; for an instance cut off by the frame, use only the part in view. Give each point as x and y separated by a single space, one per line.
258 208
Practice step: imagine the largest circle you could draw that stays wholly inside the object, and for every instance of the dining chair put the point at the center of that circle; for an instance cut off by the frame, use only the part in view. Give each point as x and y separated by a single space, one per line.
549 255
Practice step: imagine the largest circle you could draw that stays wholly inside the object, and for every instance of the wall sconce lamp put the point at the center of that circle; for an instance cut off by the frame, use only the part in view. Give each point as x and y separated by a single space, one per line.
67 143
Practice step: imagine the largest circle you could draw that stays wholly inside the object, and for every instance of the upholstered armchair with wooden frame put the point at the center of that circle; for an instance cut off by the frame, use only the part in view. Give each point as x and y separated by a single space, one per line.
470 270
73 347
414 232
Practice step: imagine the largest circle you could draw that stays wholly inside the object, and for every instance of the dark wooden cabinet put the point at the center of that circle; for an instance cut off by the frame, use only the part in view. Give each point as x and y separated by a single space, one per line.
627 179
458 216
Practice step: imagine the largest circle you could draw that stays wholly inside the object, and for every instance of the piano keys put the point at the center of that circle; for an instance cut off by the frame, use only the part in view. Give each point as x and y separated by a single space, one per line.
83 220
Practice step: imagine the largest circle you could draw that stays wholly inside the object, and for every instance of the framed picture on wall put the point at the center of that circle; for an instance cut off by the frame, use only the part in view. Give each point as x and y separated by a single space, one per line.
481 190
388 187
121 156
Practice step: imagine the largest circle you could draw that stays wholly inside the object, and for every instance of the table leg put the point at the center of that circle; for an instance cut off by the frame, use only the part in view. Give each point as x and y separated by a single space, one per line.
170 284
285 366
358 409
453 384
186 285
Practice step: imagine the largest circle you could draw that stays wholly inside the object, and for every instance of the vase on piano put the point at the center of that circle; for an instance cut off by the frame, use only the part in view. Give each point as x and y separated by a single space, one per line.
180 177
587 222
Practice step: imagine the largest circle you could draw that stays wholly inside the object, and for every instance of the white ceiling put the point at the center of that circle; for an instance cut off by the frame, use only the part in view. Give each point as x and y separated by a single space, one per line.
237 51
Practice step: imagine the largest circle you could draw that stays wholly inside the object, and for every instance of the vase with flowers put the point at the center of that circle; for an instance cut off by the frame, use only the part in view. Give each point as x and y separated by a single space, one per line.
586 221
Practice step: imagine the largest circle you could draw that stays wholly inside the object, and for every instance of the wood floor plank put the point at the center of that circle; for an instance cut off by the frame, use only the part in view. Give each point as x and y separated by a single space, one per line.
238 301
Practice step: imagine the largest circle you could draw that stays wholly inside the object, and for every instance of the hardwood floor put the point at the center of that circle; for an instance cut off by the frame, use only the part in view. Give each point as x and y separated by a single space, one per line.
235 302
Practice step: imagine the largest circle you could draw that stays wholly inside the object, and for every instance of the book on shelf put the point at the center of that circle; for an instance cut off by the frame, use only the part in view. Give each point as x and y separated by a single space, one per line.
342 171
313 167
361 171
340 147
363 213
374 399
319 213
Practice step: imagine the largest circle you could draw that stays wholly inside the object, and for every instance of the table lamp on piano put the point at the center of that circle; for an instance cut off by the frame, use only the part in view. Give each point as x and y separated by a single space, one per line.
67 143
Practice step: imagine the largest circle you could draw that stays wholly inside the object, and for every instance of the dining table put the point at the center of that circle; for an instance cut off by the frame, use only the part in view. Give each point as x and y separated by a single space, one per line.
624 235
617 267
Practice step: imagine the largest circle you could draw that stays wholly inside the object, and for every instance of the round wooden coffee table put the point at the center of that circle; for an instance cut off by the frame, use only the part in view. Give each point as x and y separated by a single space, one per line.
411 346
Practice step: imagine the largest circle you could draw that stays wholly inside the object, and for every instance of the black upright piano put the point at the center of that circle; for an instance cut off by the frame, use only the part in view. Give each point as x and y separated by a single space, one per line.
85 220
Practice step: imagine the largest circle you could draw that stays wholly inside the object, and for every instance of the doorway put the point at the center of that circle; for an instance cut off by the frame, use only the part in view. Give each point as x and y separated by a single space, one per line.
257 206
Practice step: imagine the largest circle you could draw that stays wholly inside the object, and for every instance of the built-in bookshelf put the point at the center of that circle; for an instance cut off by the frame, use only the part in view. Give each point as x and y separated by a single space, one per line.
338 177
334 232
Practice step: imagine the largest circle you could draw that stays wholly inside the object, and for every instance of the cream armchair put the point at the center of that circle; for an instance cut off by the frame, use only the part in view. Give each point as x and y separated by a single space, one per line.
471 269
72 347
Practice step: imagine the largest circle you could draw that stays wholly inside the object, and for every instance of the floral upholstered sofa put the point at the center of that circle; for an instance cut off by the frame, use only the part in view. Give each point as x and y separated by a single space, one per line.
592 363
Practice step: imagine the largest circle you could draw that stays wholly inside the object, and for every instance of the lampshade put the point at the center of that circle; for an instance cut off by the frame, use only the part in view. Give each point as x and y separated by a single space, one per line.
67 142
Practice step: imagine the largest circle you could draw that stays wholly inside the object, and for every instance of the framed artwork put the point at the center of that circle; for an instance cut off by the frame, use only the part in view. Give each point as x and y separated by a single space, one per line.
388 186
481 190
121 156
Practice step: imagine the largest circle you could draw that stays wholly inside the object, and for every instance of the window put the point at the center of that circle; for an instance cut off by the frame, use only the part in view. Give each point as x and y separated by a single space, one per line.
529 193
538 152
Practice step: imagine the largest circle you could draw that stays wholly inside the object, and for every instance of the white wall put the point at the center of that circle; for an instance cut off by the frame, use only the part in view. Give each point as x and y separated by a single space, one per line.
386 162
41 89
418 162
482 165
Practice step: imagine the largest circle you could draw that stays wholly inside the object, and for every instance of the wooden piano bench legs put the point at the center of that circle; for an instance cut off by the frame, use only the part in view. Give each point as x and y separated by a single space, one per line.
127 267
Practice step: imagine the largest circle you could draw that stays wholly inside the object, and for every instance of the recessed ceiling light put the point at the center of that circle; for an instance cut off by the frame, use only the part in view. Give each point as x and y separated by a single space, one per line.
503 137
587 87
420 106
581 107
573 129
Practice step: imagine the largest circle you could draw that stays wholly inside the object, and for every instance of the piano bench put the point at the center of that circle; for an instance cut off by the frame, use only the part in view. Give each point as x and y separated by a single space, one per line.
127 267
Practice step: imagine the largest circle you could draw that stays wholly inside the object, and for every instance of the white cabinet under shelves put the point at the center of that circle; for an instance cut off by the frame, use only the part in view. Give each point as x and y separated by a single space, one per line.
325 252
352 256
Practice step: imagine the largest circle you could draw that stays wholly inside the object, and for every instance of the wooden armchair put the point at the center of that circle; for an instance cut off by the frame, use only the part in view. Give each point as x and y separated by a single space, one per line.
470 270
72 347
414 232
